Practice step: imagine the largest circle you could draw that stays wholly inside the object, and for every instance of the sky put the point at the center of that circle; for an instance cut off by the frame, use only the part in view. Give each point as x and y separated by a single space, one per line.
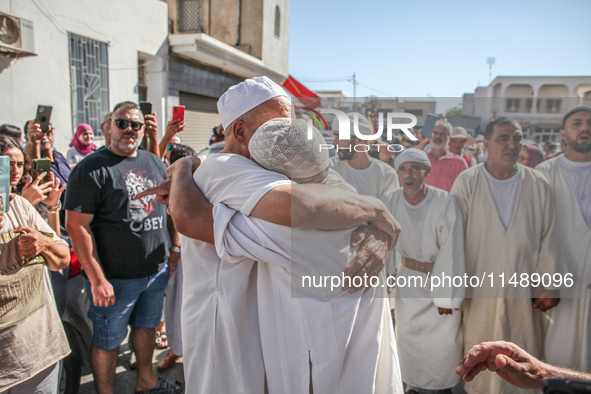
434 48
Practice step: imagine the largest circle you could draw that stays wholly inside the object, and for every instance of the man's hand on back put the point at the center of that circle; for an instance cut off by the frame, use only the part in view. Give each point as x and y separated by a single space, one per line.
371 257
194 162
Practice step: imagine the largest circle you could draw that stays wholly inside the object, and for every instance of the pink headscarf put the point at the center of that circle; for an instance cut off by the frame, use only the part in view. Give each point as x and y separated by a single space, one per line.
535 156
80 147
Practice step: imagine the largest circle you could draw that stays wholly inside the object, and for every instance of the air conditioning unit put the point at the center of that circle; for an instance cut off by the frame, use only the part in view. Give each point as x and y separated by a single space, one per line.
16 35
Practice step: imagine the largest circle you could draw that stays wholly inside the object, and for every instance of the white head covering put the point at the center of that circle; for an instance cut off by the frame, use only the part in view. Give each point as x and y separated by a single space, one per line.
241 98
412 154
459 132
282 145
364 126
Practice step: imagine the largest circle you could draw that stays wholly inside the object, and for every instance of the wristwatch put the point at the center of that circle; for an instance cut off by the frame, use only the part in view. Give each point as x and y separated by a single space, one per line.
175 249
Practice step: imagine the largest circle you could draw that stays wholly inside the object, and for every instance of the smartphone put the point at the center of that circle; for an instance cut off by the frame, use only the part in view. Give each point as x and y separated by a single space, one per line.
178 112
429 125
39 166
565 386
44 116
146 107
4 183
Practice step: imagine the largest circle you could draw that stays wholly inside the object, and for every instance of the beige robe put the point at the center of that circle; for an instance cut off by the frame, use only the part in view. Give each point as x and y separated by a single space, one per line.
530 244
568 340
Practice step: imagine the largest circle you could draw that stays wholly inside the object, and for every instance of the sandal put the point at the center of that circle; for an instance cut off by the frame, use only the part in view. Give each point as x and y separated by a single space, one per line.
168 362
164 387
161 342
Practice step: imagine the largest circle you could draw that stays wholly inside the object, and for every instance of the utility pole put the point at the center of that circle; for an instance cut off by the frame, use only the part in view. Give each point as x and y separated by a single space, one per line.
490 61
355 83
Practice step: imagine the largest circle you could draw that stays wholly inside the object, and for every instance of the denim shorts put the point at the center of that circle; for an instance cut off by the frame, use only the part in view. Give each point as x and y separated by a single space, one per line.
137 302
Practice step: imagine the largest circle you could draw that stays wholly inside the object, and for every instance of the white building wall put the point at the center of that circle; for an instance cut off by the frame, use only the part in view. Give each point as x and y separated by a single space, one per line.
276 50
128 27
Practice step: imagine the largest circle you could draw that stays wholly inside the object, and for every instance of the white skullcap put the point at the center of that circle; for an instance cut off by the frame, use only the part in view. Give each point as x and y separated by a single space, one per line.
282 145
479 138
364 126
459 132
411 154
241 98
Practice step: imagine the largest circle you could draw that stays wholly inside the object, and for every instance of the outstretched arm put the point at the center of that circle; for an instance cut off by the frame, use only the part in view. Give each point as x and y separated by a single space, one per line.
513 364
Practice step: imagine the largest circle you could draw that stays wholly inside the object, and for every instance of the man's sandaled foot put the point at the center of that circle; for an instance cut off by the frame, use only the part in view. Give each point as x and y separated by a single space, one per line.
164 387
168 361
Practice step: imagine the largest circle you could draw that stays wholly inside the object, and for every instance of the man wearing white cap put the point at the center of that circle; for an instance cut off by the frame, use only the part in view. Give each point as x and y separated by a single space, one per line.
429 323
355 165
457 141
568 342
221 337
315 339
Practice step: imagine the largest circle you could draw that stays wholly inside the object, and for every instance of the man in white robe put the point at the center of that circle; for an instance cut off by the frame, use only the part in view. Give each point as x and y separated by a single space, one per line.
568 340
428 329
367 175
510 228
324 340
221 338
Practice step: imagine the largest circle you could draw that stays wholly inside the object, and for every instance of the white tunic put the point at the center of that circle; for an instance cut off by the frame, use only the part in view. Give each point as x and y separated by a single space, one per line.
381 179
347 338
568 340
429 344
220 324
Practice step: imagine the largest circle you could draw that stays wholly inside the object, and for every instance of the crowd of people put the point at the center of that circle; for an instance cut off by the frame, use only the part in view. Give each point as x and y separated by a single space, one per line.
271 209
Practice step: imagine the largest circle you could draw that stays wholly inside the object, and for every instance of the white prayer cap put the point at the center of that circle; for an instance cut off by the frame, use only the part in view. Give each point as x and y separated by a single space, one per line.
459 132
282 145
479 138
241 98
364 126
412 154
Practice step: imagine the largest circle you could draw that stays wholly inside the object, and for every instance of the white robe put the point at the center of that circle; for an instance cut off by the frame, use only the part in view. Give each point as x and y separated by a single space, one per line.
383 177
568 340
529 245
220 325
430 344
347 338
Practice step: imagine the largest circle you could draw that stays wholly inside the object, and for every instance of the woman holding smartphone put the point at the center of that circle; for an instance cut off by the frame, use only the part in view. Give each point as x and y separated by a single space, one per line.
46 196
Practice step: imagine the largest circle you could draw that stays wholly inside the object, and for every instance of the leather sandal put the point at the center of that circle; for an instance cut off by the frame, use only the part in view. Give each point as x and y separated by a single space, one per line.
168 362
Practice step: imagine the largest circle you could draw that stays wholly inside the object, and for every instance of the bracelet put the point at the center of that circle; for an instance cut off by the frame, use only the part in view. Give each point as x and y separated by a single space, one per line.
176 249
56 208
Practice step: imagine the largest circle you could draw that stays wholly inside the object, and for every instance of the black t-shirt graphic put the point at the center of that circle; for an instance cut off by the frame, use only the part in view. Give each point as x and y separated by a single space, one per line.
130 234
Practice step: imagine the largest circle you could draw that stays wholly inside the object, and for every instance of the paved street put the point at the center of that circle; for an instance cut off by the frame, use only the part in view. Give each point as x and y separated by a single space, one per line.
125 378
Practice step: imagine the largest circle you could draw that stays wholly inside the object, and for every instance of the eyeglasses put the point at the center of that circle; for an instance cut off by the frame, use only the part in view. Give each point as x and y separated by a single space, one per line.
170 146
122 124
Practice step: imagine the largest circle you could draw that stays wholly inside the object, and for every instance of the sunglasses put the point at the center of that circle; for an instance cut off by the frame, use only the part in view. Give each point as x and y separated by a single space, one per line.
123 123
170 146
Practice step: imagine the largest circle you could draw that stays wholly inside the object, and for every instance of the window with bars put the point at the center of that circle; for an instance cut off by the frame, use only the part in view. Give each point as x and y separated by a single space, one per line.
190 16
89 67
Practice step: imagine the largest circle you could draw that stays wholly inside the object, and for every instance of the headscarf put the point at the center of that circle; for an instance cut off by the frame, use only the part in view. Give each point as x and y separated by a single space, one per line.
535 156
80 147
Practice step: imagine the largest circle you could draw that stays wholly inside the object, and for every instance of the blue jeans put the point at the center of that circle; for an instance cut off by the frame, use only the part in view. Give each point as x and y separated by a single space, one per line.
137 302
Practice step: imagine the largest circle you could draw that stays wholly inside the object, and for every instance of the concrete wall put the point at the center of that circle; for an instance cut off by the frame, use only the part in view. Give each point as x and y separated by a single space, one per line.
129 27
276 50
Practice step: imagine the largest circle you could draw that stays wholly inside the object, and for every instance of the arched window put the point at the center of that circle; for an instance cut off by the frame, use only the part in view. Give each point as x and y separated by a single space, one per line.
277 21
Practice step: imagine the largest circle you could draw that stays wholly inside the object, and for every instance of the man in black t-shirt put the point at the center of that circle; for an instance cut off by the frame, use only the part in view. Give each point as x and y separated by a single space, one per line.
123 247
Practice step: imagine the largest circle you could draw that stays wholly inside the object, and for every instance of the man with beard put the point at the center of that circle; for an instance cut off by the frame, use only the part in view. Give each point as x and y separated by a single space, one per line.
123 247
445 165
568 341
428 329
510 229
368 176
